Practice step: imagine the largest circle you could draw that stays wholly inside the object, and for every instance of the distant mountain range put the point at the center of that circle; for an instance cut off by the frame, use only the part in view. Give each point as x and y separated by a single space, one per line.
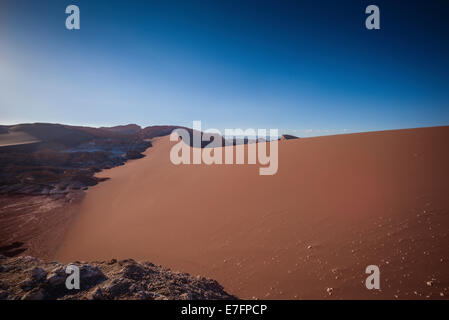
60 136
45 158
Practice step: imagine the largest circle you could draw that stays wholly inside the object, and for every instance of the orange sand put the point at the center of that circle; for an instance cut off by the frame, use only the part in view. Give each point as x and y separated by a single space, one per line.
336 205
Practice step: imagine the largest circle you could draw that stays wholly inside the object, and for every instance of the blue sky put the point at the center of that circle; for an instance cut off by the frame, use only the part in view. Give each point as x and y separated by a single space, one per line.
305 67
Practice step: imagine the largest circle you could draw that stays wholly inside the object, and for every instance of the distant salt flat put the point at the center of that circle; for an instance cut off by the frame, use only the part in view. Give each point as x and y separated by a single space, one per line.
16 138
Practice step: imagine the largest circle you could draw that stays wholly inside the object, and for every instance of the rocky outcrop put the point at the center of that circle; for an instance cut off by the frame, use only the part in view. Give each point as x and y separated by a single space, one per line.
288 137
29 278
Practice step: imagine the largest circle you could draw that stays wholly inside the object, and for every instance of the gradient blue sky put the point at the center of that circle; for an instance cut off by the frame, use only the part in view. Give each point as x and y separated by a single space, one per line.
305 67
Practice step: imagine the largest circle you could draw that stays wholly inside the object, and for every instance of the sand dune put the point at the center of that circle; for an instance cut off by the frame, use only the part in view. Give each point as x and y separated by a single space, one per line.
336 205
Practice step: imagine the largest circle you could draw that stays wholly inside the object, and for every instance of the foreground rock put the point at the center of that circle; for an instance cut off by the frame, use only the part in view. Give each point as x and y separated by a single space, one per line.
29 278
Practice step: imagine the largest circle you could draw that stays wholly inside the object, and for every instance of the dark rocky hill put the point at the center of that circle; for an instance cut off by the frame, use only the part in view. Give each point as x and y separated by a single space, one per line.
58 158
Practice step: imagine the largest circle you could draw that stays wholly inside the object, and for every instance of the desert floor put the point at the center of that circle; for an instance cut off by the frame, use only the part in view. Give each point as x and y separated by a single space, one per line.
336 205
